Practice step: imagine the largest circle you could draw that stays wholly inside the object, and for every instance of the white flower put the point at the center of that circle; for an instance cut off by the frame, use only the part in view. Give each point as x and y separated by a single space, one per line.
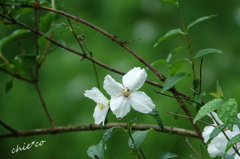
101 109
219 143
125 95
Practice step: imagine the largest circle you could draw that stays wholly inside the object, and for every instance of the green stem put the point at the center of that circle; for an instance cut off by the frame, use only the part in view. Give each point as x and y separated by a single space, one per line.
130 134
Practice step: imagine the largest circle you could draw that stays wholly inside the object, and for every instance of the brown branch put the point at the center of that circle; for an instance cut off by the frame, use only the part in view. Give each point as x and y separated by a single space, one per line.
14 132
44 105
17 76
91 127
113 37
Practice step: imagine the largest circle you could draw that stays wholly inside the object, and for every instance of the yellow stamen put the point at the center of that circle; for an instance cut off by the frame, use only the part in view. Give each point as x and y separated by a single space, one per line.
101 106
127 92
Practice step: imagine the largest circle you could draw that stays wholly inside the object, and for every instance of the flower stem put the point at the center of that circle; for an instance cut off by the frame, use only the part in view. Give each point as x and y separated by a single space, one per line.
130 135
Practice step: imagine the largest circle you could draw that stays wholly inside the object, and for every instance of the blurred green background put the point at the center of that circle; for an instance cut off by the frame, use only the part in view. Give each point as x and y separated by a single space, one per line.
64 77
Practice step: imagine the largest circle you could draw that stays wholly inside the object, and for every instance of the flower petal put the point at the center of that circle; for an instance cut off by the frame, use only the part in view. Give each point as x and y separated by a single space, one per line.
134 79
96 95
141 102
100 115
120 106
113 88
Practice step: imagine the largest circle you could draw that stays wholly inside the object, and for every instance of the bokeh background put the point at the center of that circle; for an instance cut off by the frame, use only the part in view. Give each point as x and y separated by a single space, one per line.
64 76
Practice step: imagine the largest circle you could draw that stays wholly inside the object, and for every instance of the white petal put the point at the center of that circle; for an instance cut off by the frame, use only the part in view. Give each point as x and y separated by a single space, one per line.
113 88
100 115
141 102
96 95
120 106
134 79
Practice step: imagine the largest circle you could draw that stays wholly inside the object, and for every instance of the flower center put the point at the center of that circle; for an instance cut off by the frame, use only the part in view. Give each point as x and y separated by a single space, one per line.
126 92
101 106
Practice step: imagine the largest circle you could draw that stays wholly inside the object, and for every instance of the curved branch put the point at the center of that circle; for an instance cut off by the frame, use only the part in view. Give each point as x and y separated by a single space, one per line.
91 127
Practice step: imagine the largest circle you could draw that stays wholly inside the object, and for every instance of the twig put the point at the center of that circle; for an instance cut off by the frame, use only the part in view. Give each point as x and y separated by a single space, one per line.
190 145
186 98
189 117
17 76
113 37
14 132
44 105
91 127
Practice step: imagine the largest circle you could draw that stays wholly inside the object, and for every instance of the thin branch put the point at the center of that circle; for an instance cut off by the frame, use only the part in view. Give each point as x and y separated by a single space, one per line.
17 76
186 98
44 105
91 127
14 132
113 37
189 117
190 145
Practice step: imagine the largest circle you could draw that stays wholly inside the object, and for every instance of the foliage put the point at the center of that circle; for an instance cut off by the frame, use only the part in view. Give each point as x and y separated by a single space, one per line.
44 46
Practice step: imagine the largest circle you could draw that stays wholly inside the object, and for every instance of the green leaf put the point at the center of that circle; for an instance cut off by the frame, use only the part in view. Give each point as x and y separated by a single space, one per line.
173 1
176 66
155 114
135 119
169 34
3 65
54 27
219 90
166 155
216 131
205 52
96 151
237 122
228 112
8 86
13 35
108 134
216 95
200 20
173 53
46 21
171 81
208 108
138 138
132 153
159 62
232 142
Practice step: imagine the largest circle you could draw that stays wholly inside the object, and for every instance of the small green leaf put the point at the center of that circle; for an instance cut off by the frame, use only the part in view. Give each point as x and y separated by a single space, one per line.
96 151
8 86
135 119
46 21
108 134
159 62
138 138
219 90
13 35
155 114
237 122
176 66
205 52
200 20
173 53
228 112
166 155
131 153
208 107
171 81
173 1
216 95
232 142
169 34
54 27
216 131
